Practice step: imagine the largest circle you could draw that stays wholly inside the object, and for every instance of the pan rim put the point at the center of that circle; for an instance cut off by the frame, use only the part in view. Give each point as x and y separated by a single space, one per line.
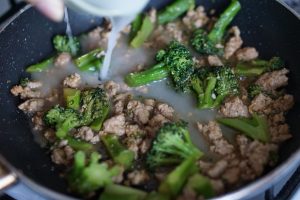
250 190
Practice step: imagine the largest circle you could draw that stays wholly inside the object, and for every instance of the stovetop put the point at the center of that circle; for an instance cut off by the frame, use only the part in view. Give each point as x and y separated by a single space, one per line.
282 190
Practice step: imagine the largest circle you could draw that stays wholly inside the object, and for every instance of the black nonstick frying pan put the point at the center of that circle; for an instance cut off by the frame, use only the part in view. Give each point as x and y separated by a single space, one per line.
265 24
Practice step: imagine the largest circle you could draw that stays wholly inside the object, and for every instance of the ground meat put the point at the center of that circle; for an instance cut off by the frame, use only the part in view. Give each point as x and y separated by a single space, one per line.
217 169
188 193
120 177
259 103
37 120
134 137
72 81
195 18
164 109
98 37
62 156
264 104
157 121
62 59
145 145
86 133
152 15
234 107
234 43
137 112
218 185
138 177
255 152
149 104
32 105
214 135
112 88
50 135
31 90
120 100
175 31
115 125
280 133
246 54
273 80
214 61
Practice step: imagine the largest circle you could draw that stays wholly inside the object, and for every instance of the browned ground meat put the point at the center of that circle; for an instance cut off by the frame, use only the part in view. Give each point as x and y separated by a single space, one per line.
72 81
62 59
273 80
246 54
234 107
234 43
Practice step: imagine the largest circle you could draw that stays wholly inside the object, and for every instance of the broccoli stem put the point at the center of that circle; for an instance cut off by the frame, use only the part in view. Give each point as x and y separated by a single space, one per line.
201 185
247 69
207 101
91 61
135 26
117 192
97 123
156 73
42 66
216 34
174 181
79 145
177 8
72 98
117 151
143 33
255 127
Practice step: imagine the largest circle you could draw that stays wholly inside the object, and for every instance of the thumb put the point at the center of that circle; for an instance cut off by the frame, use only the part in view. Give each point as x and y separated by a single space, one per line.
54 9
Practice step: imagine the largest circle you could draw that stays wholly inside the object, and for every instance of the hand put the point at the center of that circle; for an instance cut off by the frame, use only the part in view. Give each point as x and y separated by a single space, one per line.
54 9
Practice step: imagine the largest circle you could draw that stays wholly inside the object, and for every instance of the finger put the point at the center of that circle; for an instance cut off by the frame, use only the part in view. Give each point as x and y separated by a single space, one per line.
54 9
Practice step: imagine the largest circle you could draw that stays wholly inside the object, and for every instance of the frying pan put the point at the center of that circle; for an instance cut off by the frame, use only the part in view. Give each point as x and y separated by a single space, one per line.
26 39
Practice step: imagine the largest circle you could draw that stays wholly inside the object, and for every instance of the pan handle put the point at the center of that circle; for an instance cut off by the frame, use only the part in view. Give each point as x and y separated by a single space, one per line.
7 177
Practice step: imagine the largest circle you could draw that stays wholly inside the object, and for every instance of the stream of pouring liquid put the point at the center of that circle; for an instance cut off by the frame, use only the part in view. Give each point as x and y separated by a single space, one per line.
68 29
118 24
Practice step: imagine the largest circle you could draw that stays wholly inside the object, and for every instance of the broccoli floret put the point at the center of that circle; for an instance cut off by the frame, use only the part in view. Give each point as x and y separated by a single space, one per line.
213 84
95 107
205 43
254 90
64 119
86 177
117 192
66 44
255 127
171 145
24 82
200 185
175 62
175 180
117 151
257 67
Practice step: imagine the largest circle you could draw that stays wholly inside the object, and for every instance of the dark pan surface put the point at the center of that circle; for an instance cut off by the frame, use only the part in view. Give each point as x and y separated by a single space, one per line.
265 24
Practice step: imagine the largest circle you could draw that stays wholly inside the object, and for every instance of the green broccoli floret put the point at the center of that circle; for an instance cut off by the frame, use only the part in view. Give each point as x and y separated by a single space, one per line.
255 127
117 192
213 84
205 43
64 119
175 62
171 145
24 82
254 90
117 151
200 185
174 182
258 67
86 177
66 44
94 107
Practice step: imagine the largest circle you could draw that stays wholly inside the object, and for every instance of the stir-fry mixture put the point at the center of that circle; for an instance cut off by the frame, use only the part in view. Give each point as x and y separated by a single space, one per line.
116 144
